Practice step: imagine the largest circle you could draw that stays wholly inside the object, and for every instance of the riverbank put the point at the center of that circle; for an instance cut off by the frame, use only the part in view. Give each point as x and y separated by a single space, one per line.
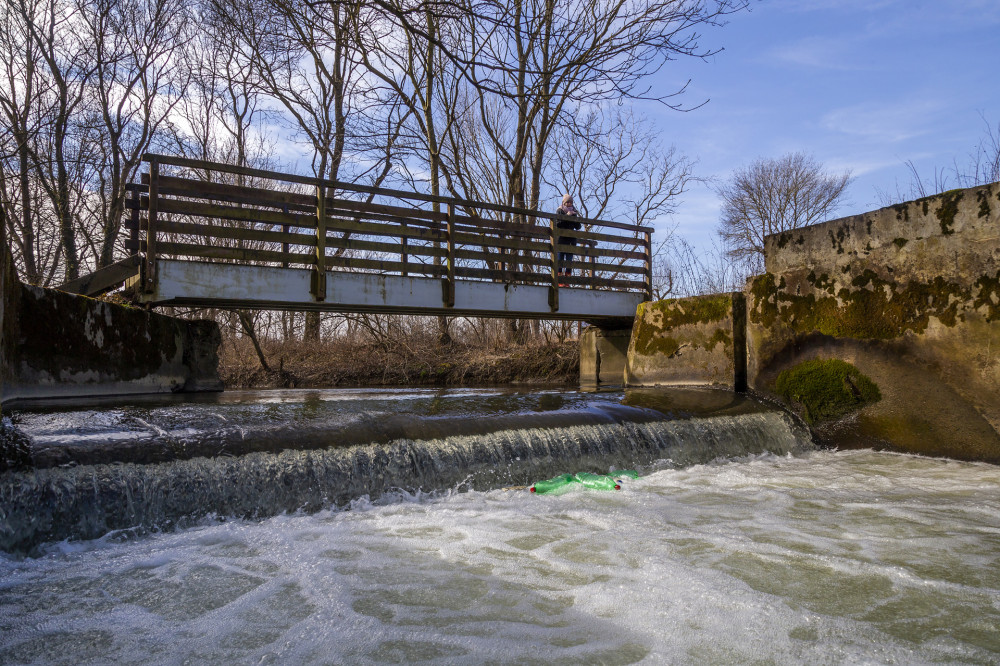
412 362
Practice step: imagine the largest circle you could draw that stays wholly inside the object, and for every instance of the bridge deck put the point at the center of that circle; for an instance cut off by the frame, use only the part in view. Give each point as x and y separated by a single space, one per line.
203 284
209 234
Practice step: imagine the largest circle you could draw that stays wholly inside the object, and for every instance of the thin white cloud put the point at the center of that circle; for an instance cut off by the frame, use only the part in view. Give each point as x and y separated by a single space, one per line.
884 123
819 52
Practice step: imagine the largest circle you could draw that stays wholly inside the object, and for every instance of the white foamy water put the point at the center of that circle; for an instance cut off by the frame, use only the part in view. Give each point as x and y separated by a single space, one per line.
831 557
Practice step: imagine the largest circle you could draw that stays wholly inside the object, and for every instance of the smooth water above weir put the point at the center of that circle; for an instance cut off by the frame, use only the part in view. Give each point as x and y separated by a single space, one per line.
739 543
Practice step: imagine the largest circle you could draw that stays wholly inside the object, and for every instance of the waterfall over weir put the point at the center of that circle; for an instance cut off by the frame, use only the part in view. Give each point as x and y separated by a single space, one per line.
258 457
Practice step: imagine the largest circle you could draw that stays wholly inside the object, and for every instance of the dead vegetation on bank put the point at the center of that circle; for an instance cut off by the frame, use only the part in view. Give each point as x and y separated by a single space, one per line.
419 358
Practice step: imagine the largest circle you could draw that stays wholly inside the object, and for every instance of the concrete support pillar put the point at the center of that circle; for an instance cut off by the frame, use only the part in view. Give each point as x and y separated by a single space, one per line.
602 356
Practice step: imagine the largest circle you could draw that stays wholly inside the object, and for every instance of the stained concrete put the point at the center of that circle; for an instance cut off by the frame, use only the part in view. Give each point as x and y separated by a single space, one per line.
602 355
57 345
910 295
688 341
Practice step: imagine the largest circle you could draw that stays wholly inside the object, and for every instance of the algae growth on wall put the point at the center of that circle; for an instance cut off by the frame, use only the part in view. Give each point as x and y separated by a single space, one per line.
910 295
58 345
695 340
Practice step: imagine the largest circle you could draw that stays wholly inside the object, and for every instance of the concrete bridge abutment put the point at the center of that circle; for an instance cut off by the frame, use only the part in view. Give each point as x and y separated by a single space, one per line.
603 354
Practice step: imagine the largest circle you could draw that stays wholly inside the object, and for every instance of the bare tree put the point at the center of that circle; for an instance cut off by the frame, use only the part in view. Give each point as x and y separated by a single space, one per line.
134 85
57 155
615 166
19 102
774 195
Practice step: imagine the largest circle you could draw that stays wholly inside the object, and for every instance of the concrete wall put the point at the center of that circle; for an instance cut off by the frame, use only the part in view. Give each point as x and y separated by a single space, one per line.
697 340
61 345
909 295
602 356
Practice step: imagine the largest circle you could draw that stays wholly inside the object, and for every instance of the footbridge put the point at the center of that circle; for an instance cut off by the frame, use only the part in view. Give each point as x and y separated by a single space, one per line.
216 235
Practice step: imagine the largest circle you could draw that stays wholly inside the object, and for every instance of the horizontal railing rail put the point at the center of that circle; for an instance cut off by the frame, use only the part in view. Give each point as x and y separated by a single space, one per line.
194 209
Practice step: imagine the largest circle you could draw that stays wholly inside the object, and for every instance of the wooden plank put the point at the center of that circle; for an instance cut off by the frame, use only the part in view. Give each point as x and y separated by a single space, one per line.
104 279
605 238
374 229
634 285
235 233
470 239
601 252
383 266
493 257
245 255
398 211
253 196
389 248
199 209
498 276
594 265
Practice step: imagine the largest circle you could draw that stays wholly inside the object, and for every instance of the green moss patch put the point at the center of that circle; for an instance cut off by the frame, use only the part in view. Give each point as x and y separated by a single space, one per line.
654 321
949 208
827 389
871 309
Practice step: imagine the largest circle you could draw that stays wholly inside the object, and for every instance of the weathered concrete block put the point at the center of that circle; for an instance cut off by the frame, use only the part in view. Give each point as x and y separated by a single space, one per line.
63 345
696 340
910 295
602 355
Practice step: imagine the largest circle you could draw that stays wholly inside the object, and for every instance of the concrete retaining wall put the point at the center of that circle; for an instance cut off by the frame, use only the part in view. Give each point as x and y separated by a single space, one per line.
57 345
910 295
697 340
602 356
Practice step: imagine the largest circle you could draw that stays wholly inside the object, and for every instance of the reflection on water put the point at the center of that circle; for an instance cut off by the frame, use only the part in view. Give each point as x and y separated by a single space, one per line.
824 557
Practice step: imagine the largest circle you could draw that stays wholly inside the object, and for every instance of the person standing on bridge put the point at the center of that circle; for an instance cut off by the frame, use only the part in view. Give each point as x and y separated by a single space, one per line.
567 208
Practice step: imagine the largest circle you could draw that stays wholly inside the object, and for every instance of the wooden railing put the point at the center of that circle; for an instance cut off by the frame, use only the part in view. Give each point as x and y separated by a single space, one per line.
193 209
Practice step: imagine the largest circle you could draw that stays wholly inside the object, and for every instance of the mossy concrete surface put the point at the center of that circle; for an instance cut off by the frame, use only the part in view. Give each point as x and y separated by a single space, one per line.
912 294
58 345
602 356
687 341
827 388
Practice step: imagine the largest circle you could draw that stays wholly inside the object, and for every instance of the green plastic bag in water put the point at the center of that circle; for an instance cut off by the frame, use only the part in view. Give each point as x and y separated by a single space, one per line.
564 482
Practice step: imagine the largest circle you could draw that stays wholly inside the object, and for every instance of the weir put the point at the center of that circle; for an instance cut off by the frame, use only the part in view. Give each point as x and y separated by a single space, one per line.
237 460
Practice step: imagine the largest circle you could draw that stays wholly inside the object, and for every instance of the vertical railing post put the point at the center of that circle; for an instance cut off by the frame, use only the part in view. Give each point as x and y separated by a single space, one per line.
404 255
284 246
649 265
593 267
133 230
554 270
449 283
503 258
319 270
149 273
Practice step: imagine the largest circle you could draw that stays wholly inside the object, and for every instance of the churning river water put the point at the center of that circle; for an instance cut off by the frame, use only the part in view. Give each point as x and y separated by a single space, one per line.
386 527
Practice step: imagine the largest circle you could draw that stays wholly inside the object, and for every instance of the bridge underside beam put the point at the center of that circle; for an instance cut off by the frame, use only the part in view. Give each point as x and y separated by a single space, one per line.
203 284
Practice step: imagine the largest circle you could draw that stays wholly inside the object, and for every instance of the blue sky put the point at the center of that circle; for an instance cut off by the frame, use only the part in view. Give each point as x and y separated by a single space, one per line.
863 85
